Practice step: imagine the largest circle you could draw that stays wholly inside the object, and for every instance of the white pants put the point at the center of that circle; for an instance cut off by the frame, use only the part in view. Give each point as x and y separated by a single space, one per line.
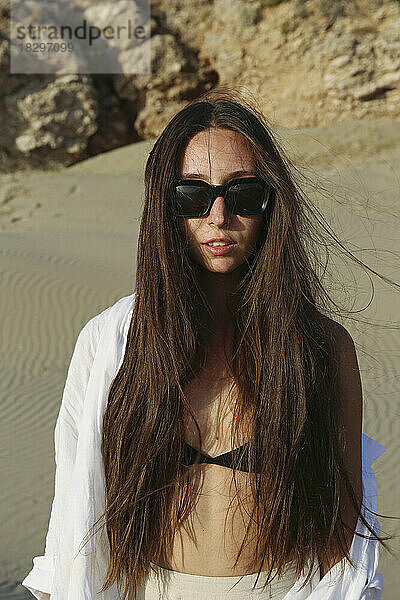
166 584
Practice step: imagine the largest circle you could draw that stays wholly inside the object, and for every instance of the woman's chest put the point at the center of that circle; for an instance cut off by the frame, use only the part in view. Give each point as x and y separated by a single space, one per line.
212 399
223 502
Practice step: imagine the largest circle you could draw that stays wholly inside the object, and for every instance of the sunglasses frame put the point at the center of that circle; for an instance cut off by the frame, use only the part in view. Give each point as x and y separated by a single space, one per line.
222 190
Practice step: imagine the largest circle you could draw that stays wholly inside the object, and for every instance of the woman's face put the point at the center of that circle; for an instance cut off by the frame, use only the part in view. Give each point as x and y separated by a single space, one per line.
216 156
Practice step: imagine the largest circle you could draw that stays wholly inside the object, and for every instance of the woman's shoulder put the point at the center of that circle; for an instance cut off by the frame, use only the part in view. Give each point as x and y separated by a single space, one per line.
342 343
348 378
117 314
335 329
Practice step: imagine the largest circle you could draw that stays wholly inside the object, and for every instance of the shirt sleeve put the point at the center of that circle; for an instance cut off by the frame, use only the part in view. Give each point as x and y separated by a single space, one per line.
372 449
374 588
39 579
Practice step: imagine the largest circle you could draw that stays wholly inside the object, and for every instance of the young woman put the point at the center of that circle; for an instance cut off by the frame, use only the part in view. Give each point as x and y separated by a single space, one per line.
212 421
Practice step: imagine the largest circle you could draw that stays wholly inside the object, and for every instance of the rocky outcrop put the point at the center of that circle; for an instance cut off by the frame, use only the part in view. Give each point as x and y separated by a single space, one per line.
310 62
303 62
51 120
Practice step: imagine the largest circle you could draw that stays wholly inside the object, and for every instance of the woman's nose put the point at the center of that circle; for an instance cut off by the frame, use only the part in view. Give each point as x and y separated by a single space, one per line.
219 212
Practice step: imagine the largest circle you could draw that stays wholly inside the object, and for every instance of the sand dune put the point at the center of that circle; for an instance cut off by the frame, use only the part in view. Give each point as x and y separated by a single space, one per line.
68 245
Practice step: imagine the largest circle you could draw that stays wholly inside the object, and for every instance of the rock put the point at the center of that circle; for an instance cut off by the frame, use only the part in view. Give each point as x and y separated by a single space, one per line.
340 61
58 114
303 62
175 77
369 91
238 13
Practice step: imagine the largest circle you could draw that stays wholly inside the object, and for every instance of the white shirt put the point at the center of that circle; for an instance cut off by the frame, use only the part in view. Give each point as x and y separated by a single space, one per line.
79 497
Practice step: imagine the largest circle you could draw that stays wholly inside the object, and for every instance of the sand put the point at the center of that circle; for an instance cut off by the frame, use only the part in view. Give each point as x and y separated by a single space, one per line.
68 247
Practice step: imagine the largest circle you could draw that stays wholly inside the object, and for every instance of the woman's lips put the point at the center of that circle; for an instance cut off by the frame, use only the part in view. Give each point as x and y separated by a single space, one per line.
220 250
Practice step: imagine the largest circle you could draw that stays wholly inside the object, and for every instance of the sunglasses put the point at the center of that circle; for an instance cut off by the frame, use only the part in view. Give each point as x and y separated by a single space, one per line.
243 196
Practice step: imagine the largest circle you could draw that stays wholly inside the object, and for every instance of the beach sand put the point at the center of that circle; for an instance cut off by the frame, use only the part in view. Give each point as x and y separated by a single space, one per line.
68 248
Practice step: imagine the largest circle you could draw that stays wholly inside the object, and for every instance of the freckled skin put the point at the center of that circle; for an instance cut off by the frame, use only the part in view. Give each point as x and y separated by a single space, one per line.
216 154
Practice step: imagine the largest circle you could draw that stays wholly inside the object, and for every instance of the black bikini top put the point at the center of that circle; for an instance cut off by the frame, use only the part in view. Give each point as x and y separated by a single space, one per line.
224 460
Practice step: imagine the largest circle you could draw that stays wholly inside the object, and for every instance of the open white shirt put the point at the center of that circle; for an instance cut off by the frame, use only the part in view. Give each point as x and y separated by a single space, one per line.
79 497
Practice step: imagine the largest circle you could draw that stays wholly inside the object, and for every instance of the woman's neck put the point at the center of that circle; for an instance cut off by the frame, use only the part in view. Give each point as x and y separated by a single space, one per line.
218 287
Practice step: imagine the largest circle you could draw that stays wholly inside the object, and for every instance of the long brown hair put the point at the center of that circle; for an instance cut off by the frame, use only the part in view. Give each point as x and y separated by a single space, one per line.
283 364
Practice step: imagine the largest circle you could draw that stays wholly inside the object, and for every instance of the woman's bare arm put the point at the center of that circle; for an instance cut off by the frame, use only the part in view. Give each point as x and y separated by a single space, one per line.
351 396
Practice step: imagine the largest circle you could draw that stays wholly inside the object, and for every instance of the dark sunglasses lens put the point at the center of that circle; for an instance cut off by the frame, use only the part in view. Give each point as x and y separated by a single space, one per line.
246 198
191 200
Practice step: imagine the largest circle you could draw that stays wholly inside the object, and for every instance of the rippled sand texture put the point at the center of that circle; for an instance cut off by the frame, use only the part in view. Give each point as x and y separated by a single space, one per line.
68 246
